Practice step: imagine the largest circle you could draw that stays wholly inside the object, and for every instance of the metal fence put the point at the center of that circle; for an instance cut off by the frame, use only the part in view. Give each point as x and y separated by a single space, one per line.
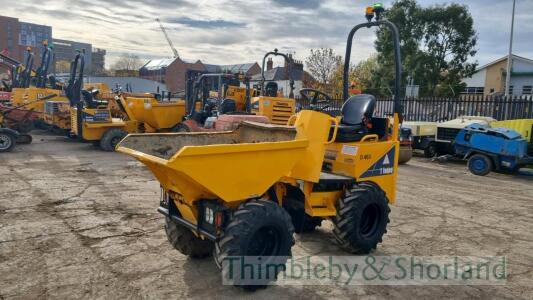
433 109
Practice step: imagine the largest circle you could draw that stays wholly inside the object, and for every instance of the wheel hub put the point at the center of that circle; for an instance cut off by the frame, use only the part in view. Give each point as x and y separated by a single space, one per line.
5 141
265 242
479 165
370 220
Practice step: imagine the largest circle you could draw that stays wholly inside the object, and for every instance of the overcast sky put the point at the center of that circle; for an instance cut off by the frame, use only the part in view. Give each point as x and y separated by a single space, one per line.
235 31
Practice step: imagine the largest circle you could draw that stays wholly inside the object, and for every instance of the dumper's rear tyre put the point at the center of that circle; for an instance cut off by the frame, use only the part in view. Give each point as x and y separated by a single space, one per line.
260 234
7 142
183 240
362 218
111 138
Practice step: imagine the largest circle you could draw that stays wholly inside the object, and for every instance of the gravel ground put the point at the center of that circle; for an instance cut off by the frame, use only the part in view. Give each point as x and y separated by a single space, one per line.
77 223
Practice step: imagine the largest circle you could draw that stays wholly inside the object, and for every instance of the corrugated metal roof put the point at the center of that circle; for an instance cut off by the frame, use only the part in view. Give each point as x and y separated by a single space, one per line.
237 68
138 85
156 64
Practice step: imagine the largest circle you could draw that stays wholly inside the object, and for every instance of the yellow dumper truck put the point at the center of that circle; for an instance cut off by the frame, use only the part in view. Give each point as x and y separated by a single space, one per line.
242 194
105 123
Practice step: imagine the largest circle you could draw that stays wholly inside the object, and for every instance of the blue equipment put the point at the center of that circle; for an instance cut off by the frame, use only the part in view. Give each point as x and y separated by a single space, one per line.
489 149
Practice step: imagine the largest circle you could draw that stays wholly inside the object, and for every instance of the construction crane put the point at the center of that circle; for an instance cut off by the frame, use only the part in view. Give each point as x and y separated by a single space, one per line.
176 55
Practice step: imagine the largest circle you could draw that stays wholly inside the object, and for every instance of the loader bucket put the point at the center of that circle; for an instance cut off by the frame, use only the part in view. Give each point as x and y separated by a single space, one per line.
232 166
158 115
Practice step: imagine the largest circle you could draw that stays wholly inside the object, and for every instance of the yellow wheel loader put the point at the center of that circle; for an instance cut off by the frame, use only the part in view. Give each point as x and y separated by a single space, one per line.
269 103
242 194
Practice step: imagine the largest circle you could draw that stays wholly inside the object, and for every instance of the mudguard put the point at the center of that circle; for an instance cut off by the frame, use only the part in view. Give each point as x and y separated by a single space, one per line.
10 131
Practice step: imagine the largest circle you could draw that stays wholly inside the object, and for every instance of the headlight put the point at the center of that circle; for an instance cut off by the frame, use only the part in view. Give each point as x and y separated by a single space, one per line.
209 215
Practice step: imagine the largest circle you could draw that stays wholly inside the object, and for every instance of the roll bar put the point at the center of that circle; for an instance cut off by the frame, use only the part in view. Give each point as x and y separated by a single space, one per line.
42 72
73 89
397 60
25 76
288 60
75 81
197 87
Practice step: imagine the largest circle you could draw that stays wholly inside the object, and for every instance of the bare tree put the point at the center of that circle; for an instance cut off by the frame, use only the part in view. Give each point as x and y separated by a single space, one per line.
128 62
62 66
322 64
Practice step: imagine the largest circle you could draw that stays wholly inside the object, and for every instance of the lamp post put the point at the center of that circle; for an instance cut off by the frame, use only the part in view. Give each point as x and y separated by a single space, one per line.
510 56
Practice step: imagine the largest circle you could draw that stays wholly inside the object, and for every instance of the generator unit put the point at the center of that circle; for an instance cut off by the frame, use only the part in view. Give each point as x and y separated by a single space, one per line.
488 149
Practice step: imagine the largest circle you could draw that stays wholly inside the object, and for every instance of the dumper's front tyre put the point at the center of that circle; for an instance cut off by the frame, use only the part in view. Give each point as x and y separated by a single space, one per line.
259 234
111 138
183 240
362 218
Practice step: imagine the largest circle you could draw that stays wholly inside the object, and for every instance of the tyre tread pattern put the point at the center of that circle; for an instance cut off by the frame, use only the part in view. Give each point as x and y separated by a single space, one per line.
183 240
347 220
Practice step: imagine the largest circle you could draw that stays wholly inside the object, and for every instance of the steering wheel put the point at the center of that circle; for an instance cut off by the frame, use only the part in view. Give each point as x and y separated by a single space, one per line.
312 95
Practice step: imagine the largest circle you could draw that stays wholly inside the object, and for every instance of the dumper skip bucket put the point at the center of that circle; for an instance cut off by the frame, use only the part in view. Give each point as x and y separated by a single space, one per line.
231 166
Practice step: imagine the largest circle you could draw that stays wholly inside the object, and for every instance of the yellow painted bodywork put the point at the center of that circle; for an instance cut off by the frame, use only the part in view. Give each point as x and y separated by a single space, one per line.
93 131
57 114
522 126
356 163
277 109
248 170
30 96
157 115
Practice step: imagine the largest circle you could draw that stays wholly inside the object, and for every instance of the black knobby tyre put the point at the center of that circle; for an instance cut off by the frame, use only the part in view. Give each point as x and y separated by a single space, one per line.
362 218
25 126
301 221
181 128
431 150
111 138
24 139
7 142
183 240
261 229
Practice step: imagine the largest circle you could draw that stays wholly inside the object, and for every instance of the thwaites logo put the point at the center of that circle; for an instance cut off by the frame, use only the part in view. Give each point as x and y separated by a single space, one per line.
384 166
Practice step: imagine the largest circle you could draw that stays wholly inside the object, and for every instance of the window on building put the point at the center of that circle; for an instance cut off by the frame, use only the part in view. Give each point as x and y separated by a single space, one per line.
511 89
474 91
527 90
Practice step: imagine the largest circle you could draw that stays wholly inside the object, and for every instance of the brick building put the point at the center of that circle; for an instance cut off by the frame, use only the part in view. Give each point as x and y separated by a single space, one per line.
280 75
174 72
16 36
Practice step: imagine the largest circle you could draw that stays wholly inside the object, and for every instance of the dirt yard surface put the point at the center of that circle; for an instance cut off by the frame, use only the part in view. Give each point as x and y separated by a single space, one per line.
79 223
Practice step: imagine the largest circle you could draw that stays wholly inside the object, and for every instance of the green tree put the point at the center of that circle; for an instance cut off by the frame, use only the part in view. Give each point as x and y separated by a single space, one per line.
322 64
436 44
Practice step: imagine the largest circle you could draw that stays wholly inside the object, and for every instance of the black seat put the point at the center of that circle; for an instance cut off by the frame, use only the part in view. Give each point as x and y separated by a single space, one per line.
271 89
88 98
357 111
228 106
